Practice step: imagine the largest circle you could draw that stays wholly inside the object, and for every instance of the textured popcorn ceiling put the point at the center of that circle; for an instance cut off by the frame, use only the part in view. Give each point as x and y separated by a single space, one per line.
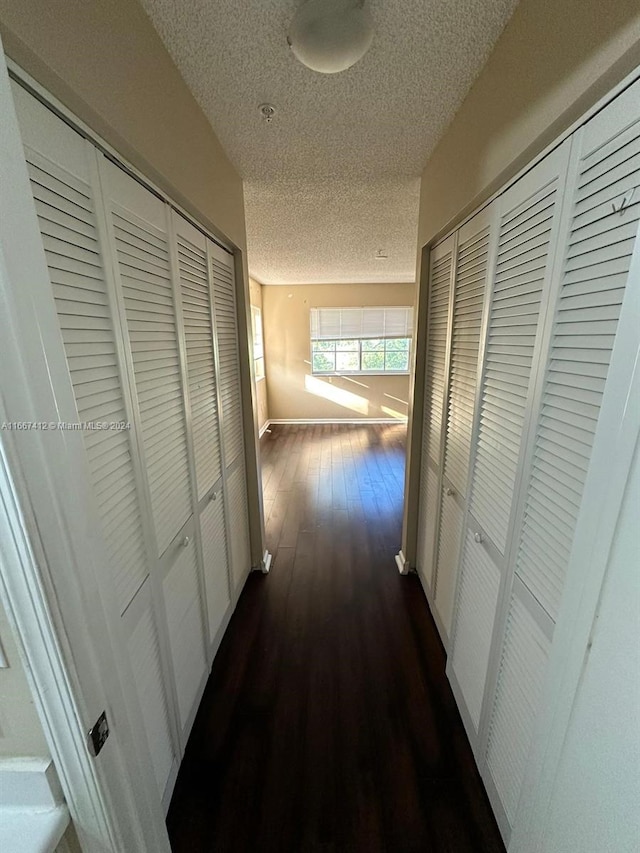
335 176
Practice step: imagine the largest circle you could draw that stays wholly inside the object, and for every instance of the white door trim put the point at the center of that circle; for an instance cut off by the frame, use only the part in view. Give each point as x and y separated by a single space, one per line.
45 524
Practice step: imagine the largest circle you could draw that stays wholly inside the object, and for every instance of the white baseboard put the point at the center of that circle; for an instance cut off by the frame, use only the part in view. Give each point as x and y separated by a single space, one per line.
402 563
263 428
29 783
337 421
33 814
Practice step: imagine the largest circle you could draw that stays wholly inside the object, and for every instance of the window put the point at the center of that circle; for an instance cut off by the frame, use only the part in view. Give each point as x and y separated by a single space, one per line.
361 340
258 344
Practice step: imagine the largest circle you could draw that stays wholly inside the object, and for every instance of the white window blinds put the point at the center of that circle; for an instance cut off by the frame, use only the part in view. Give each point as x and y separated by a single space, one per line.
330 324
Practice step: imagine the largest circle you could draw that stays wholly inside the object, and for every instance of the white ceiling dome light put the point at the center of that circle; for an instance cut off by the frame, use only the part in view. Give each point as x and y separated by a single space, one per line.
331 35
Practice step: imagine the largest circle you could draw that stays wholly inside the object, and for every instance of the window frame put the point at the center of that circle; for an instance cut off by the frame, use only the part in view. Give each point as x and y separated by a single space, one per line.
360 371
257 343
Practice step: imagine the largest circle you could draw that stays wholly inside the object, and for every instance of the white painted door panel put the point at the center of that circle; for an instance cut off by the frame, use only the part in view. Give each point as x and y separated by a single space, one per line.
62 170
472 250
216 560
528 218
469 297
223 285
474 620
141 246
601 227
230 391
239 524
439 296
184 622
451 518
529 214
195 296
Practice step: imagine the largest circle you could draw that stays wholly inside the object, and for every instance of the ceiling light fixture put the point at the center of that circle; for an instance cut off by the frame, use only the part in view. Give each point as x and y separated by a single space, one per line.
330 35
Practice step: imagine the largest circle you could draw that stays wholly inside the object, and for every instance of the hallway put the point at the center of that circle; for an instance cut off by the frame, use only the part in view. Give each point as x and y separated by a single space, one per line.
328 723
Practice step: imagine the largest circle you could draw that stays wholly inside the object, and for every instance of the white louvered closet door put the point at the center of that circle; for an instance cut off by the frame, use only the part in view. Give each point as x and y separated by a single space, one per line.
230 389
469 296
63 172
139 227
141 246
527 231
602 227
435 382
203 405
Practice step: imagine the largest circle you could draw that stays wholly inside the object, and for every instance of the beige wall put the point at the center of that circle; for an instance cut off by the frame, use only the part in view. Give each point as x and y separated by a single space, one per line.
255 292
104 60
21 734
293 392
554 60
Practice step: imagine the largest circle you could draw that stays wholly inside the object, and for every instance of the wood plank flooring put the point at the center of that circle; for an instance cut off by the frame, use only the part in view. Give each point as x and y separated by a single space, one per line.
328 724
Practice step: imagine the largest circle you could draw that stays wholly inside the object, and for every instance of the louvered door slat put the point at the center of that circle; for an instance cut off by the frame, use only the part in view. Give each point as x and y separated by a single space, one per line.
467 318
223 284
522 667
69 235
151 325
60 171
438 314
472 257
522 255
441 262
201 374
582 340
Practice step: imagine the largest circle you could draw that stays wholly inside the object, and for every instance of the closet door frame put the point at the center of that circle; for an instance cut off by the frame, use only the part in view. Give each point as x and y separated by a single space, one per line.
260 557
90 798
46 520
406 558
566 154
478 740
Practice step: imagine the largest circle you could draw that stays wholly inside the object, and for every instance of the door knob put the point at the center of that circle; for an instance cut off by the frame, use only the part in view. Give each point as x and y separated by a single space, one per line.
478 537
185 541
450 492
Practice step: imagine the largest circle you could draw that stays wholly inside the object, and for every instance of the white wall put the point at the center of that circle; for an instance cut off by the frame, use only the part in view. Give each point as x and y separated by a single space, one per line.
21 734
595 806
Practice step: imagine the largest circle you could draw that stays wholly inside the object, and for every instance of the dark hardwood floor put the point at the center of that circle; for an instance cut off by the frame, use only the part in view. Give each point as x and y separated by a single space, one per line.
328 723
